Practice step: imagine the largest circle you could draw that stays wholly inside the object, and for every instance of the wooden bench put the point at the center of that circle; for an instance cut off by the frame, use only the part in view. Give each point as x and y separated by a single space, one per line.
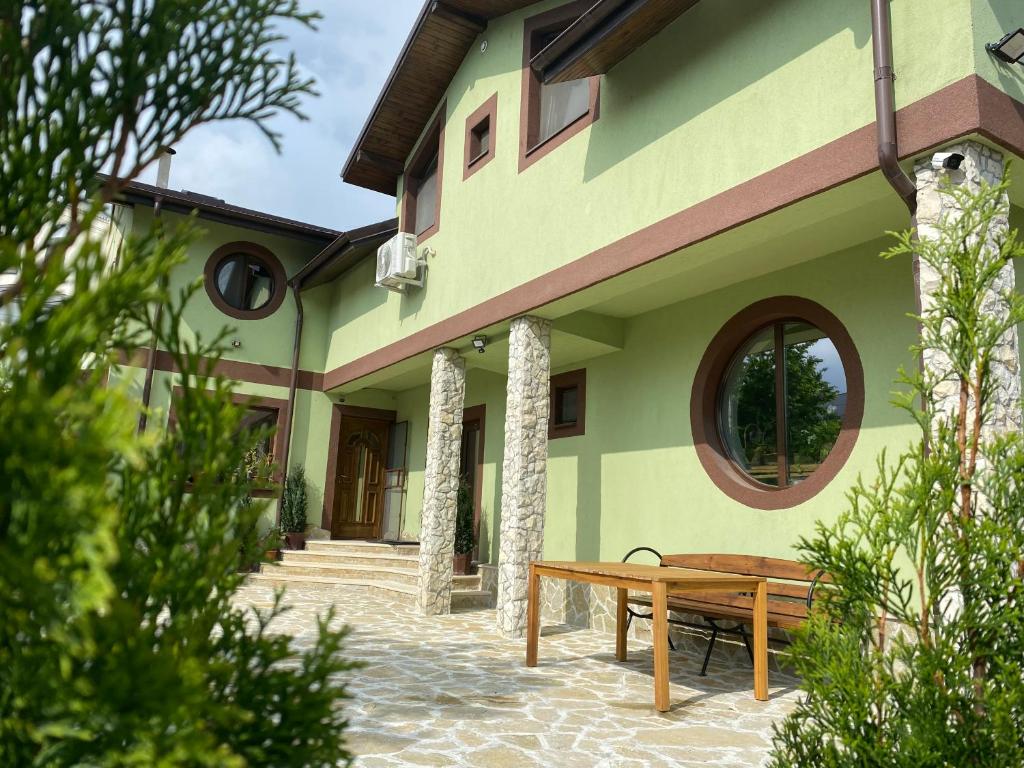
790 595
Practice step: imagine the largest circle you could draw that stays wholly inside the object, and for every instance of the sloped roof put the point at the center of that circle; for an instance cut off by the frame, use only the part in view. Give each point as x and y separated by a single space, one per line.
215 209
442 35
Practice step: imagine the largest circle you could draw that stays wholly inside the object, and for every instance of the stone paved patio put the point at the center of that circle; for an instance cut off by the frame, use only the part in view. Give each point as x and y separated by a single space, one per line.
448 690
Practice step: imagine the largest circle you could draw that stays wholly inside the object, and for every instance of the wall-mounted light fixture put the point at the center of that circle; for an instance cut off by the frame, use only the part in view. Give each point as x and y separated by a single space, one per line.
236 343
479 343
1010 49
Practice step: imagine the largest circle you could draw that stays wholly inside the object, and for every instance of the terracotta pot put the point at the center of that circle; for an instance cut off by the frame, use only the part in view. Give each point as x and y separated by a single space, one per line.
461 564
295 540
272 554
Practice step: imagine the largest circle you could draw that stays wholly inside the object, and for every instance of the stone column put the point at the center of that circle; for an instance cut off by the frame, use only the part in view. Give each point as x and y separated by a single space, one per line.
980 163
441 482
524 470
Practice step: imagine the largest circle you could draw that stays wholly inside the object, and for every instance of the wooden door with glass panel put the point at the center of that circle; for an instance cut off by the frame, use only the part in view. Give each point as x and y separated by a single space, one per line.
359 495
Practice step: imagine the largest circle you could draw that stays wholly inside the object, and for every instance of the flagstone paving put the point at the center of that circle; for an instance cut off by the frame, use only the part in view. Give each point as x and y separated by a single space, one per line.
449 691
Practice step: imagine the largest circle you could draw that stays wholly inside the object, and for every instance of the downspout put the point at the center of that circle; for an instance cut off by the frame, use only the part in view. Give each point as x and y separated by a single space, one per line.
163 175
885 105
292 387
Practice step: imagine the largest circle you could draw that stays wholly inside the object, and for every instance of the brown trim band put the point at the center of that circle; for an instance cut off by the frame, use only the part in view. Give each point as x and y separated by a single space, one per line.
260 253
970 105
249 373
704 402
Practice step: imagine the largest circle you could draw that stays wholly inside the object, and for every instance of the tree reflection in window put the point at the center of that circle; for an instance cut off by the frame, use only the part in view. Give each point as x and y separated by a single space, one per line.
782 403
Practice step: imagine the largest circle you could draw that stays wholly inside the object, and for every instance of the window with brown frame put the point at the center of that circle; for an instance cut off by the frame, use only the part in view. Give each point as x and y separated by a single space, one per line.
480 136
776 402
244 280
568 404
555 112
261 414
421 198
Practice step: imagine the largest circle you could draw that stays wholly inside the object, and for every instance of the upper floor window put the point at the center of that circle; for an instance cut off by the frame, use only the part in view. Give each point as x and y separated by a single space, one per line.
421 200
480 136
552 113
244 280
568 404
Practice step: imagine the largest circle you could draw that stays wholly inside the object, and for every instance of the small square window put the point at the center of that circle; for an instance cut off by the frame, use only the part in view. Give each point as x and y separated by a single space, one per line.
568 404
480 136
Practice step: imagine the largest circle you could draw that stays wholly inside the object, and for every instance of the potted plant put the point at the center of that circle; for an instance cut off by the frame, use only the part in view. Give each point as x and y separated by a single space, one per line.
463 529
293 509
271 545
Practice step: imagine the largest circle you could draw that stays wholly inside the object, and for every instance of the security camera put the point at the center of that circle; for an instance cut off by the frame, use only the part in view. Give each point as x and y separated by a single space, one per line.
949 161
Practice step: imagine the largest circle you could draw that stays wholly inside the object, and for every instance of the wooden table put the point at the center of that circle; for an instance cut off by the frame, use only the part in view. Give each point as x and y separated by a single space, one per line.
659 582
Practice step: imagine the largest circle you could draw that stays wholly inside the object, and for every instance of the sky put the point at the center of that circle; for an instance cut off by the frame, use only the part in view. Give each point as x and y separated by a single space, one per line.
350 56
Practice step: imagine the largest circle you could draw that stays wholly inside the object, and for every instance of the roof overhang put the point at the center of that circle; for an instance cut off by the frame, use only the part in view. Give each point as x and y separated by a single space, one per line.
343 253
603 36
440 39
214 209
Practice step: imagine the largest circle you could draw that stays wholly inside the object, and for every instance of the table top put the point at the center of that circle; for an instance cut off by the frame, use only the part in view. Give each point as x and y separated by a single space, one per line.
648 573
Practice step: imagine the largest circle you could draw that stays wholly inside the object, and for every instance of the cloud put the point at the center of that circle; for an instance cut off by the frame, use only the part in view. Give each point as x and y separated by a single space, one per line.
350 56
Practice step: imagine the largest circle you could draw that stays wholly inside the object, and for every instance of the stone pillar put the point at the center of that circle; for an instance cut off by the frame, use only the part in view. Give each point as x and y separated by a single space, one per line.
441 482
980 163
524 470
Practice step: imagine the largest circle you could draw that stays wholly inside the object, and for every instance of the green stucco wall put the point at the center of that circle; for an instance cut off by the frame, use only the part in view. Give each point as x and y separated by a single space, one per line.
730 90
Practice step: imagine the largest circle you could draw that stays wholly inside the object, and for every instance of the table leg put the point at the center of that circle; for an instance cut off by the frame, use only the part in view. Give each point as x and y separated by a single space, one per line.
532 617
761 642
621 625
659 606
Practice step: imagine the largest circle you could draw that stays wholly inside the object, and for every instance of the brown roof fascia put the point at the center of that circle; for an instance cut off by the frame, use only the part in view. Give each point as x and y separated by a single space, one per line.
213 209
604 35
351 246
370 169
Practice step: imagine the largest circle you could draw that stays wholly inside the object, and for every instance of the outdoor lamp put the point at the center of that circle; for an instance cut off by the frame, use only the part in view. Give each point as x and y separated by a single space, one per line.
479 342
1010 49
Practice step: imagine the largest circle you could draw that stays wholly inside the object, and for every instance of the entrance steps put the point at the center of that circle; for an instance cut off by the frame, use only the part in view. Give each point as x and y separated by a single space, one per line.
384 569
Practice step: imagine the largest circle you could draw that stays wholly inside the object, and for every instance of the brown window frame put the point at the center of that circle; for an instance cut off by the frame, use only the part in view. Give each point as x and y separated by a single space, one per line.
433 139
530 149
559 382
705 401
248 401
255 251
474 158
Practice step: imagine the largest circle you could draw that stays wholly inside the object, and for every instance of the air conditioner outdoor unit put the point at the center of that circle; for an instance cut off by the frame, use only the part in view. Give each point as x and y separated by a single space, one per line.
397 265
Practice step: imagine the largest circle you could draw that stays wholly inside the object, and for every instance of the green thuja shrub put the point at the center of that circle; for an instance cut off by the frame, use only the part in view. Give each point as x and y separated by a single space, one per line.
463 520
915 653
295 502
120 642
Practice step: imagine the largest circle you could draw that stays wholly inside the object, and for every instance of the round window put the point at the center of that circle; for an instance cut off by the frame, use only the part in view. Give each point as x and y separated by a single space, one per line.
245 281
777 402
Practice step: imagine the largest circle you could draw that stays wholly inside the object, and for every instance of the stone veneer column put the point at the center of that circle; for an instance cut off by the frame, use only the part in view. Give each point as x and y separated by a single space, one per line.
933 205
524 470
441 482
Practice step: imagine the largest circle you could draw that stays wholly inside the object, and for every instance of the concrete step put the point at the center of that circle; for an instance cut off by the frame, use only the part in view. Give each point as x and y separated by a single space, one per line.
357 547
471 600
408 562
466 582
343 570
401 593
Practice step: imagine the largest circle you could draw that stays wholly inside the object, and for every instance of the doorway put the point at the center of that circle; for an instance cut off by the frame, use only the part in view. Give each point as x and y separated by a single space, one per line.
355 497
471 465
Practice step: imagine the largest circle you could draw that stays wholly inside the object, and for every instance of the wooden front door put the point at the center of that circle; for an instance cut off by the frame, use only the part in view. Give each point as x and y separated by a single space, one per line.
359 492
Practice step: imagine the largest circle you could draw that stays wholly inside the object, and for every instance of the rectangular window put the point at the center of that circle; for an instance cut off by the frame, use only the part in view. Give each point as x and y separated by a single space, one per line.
481 127
552 113
421 198
568 404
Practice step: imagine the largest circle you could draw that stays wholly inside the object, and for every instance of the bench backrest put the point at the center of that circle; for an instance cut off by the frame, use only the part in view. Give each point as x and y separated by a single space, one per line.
787 579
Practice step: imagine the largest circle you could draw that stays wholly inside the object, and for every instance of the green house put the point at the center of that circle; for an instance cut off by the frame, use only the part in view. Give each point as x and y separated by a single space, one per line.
633 293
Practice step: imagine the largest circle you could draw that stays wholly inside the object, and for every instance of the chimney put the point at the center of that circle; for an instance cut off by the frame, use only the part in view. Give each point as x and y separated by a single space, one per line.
163 169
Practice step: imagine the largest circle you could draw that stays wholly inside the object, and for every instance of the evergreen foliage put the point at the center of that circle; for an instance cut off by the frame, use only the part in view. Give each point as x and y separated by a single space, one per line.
463 520
914 654
295 502
120 643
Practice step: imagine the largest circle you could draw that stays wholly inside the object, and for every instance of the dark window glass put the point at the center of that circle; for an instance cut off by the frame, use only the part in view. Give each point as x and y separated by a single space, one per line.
480 140
426 197
566 400
782 403
561 104
259 461
244 281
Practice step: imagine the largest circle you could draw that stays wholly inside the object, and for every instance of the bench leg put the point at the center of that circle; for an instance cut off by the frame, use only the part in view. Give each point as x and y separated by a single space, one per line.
711 647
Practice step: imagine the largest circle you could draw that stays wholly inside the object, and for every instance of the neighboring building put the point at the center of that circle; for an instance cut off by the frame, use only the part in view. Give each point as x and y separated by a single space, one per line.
632 220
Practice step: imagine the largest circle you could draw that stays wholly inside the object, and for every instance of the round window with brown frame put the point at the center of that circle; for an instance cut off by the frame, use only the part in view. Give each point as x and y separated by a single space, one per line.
245 280
777 402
